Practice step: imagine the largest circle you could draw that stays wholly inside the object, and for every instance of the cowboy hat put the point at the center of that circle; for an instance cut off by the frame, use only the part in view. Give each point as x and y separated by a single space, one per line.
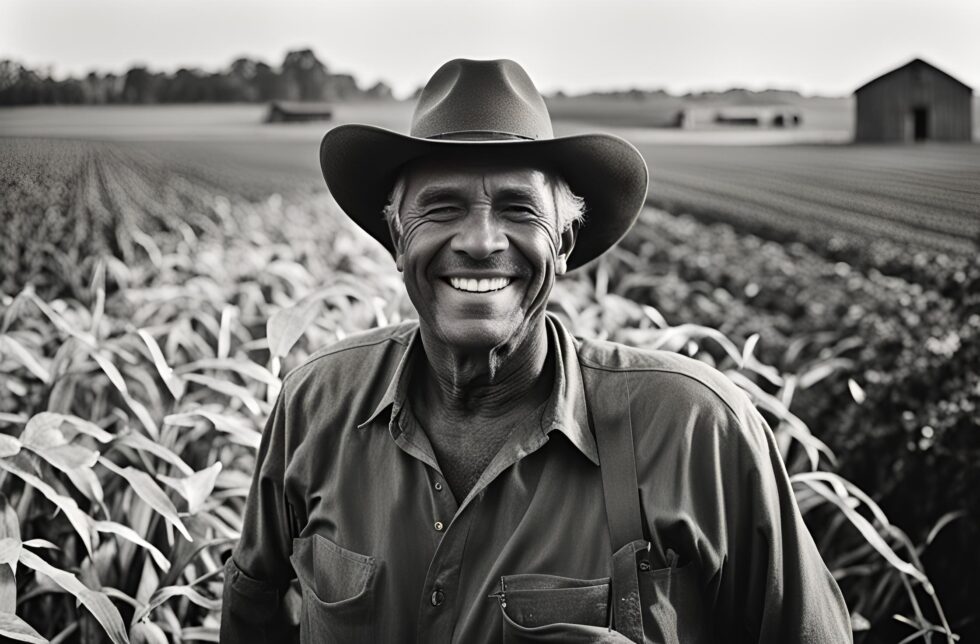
491 105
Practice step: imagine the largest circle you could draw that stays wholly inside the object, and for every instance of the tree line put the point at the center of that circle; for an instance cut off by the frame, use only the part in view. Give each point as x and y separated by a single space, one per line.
300 77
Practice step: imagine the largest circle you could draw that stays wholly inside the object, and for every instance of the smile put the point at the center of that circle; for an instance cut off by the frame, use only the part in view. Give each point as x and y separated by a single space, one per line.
479 286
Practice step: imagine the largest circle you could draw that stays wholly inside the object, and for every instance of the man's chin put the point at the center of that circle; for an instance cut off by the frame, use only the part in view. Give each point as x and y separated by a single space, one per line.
476 335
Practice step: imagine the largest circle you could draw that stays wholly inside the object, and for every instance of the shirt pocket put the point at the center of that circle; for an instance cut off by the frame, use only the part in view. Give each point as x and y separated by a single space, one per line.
673 605
549 608
339 591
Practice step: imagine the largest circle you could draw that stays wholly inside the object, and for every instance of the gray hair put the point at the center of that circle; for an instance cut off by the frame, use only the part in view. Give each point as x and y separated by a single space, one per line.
569 206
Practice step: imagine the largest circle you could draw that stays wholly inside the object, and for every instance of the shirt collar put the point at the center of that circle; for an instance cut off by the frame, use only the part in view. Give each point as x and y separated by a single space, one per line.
565 411
397 386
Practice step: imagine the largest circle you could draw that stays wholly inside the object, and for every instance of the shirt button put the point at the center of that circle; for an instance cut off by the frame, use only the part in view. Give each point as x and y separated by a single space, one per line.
438 526
438 486
437 597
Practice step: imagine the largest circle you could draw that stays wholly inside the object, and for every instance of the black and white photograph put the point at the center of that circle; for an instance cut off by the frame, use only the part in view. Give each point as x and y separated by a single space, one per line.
497 321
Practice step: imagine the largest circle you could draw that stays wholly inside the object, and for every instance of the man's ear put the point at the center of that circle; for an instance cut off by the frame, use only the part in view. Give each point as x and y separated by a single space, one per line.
396 238
567 241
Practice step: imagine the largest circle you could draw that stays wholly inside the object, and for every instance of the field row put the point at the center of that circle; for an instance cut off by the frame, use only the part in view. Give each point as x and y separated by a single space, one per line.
928 196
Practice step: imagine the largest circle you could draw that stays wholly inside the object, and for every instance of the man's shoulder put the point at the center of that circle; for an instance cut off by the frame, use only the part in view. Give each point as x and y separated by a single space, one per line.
360 352
665 377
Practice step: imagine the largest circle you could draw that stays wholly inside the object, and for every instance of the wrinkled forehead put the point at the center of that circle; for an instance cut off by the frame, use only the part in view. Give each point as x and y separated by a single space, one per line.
466 172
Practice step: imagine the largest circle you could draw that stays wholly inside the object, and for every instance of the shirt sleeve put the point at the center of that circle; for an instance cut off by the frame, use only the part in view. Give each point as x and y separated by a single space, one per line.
258 572
774 585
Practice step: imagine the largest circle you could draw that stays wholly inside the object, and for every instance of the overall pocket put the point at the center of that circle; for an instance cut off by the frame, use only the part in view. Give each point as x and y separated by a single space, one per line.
338 591
549 608
673 606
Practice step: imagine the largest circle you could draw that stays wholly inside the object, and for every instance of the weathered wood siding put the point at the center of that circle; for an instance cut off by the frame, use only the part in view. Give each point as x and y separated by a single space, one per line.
885 106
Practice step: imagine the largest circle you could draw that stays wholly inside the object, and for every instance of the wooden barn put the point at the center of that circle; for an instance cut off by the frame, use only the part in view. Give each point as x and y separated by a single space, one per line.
915 102
298 112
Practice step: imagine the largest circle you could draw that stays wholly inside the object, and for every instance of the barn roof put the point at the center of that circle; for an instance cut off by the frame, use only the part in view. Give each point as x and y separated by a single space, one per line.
914 61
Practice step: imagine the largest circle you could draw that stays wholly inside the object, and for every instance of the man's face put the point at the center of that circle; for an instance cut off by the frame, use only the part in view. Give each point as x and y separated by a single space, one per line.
480 246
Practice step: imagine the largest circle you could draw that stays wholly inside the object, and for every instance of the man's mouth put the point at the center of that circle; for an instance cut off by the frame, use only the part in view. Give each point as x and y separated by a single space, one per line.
484 285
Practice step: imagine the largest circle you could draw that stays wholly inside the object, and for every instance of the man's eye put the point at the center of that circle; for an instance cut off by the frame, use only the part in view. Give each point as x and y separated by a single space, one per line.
520 210
441 210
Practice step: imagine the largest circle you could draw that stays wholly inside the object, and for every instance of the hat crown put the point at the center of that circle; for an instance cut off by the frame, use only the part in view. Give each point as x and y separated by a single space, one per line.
481 100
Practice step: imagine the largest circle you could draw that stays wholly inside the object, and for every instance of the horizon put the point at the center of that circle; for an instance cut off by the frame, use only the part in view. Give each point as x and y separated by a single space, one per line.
677 47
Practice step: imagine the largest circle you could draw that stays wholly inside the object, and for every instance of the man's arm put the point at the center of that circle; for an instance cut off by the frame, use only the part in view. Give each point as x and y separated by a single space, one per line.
776 587
258 572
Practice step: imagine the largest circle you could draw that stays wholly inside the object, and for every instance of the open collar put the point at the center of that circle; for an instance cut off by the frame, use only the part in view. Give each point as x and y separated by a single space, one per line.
566 410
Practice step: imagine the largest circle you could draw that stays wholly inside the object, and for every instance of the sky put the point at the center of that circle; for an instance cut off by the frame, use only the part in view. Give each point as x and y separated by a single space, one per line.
826 47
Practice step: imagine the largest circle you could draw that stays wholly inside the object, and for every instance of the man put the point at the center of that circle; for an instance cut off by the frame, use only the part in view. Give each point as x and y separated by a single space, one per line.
482 476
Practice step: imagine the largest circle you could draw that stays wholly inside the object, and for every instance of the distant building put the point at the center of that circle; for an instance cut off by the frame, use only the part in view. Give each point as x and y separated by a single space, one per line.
294 112
760 116
915 102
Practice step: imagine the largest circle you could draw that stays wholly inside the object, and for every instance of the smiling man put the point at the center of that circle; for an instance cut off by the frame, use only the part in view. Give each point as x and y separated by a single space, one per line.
482 476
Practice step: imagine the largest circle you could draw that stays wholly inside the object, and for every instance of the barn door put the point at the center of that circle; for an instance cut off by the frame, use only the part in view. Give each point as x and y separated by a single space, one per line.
920 123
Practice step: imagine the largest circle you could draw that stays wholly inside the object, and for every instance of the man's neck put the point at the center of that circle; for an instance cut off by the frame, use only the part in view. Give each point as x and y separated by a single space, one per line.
482 385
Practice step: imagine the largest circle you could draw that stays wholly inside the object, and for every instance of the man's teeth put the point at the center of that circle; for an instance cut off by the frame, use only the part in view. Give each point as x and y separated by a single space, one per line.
479 286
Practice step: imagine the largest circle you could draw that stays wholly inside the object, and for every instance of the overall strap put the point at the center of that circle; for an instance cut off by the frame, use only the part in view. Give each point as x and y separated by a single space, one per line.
609 414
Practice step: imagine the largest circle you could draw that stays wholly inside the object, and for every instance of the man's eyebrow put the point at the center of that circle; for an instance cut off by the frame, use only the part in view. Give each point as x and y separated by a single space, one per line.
431 194
518 194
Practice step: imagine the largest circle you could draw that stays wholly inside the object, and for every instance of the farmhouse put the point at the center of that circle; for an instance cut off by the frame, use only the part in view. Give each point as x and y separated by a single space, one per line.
760 116
294 112
915 102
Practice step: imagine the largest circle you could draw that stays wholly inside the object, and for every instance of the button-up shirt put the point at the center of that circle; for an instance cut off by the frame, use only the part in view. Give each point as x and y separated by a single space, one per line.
349 498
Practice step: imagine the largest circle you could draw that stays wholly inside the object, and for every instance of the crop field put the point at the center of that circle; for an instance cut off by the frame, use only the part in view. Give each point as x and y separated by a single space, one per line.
770 182
155 289
925 195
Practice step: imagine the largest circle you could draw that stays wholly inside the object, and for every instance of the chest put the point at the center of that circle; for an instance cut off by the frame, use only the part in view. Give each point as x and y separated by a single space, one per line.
374 567
464 451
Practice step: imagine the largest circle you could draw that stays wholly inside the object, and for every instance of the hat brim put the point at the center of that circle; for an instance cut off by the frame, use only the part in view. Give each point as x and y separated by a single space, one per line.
360 165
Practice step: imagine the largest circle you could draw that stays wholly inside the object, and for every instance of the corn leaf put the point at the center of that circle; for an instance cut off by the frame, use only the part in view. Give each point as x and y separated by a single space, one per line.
111 372
9 446
229 389
149 491
224 334
88 428
196 488
240 432
200 634
793 425
142 443
97 602
12 419
131 535
144 417
9 523
287 325
10 552
685 332
98 289
867 530
857 392
78 519
244 367
168 592
8 589
17 629
13 348
147 633
174 385
60 322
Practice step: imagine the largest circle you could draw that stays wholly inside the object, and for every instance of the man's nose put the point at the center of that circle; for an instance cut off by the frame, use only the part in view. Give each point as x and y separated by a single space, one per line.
480 235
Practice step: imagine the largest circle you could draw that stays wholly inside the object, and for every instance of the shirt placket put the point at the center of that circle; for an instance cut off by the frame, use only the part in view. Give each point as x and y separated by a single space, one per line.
439 593
450 524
